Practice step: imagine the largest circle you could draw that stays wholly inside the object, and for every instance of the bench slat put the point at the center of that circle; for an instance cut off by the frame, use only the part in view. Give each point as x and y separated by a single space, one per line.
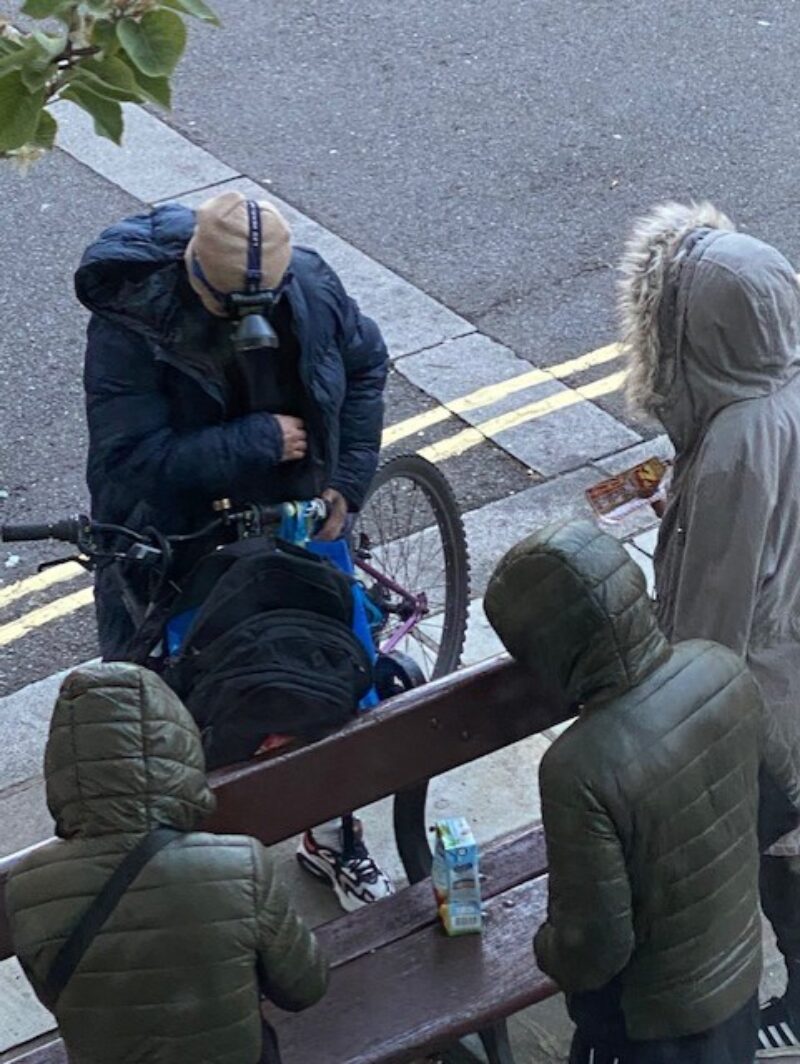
409 739
509 862
406 741
425 991
52 1052
505 863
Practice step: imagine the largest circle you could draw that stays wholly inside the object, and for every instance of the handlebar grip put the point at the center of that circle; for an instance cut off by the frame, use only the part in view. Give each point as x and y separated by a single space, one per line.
66 530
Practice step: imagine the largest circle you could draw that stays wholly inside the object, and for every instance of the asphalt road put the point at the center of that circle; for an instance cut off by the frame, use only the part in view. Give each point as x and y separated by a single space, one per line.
493 154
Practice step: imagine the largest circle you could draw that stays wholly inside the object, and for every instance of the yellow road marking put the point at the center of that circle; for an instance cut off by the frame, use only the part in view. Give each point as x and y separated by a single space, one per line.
492 393
553 402
44 615
591 358
604 386
57 575
454 445
399 431
471 437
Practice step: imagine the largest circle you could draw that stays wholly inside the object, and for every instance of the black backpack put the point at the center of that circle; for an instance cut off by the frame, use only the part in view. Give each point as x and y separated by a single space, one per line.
270 650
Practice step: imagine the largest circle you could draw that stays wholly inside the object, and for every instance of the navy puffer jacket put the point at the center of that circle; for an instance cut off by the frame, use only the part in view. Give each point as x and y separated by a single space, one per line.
164 437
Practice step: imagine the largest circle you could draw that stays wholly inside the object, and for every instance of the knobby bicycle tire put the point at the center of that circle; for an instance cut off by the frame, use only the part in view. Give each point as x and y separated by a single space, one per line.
442 501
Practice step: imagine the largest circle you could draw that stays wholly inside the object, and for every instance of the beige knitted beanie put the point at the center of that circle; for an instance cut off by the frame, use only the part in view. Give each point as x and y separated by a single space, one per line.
219 244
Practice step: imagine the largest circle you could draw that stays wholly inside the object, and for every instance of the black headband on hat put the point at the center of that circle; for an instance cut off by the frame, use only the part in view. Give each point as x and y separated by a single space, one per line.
253 275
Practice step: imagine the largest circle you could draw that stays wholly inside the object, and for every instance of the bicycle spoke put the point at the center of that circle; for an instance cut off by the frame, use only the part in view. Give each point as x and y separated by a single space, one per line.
414 540
422 637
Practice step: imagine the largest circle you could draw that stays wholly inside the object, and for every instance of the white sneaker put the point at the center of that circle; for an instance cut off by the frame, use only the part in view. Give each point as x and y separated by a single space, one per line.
776 1036
356 879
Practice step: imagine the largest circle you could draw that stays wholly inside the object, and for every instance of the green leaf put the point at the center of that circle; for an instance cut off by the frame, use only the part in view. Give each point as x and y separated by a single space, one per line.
51 44
104 36
36 77
43 8
195 8
156 43
45 135
157 90
107 114
19 111
18 55
99 7
108 77
41 51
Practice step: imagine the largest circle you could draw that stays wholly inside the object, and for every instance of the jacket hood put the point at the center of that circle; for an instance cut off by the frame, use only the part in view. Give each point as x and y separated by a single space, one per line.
123 755
571 605
134 271
710 317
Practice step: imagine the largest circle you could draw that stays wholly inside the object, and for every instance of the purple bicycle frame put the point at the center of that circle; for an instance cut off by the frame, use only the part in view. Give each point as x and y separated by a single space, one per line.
418 604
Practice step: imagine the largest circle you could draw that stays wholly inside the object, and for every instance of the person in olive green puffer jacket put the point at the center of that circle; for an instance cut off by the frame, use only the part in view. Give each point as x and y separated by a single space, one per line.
649 803
173 976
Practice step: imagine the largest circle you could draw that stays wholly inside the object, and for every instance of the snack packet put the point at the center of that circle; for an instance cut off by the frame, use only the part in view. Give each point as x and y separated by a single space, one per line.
620 495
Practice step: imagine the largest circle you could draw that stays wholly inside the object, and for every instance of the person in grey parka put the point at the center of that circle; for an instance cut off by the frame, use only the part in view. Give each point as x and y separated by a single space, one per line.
711 325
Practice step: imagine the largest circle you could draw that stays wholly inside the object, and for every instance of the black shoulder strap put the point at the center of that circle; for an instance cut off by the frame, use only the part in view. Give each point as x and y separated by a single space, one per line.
70 954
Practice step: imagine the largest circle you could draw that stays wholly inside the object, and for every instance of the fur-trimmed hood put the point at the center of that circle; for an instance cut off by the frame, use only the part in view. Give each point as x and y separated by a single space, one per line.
710 317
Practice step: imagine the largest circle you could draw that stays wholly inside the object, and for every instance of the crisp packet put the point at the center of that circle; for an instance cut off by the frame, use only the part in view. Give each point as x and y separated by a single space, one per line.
618 496
455 875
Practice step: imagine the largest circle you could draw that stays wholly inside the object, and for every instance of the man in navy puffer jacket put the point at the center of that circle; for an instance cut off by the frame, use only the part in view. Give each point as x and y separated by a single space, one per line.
179 418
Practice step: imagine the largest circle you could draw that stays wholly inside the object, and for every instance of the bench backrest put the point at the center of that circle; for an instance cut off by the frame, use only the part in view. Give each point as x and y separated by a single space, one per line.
405 741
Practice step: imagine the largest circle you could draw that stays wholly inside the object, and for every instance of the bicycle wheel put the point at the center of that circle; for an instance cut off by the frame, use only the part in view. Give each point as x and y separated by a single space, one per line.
410 549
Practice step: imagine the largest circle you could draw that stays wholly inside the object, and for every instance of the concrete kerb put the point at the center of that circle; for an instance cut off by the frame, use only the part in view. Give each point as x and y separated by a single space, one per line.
432 346
553 443
157 164
24 726
409 319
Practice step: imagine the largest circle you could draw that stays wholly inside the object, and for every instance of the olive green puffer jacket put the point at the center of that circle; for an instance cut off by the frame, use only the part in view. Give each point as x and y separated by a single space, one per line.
649 799
172 977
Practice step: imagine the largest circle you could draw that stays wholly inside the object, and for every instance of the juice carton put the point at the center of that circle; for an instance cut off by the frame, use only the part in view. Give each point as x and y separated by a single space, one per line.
455 877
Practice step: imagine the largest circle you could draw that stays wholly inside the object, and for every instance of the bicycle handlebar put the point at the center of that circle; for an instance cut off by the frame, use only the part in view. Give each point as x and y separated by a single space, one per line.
67 530
79 528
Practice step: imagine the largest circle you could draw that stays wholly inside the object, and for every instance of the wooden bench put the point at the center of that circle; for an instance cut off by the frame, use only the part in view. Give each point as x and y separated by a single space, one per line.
400 988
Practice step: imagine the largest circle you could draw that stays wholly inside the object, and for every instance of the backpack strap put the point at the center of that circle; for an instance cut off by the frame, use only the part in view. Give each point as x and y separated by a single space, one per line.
80 938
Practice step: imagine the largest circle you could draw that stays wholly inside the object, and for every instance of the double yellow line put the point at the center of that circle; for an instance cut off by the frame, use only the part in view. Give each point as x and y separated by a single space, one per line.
458 443
470 437
59 607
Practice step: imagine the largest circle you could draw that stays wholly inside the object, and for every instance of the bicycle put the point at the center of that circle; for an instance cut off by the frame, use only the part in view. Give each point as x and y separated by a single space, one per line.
409 553
407 545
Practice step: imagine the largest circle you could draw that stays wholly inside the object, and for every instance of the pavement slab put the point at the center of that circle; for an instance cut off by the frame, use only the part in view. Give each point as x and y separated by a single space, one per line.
479 227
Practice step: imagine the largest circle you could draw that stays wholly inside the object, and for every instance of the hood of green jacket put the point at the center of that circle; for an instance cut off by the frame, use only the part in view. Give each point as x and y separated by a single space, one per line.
570 604
123 755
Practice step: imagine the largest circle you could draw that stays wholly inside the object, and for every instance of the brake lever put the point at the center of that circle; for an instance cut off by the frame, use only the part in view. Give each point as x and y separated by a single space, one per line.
144 554
82 560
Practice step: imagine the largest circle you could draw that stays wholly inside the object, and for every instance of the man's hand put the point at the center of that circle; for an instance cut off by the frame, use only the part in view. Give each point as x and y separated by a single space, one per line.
295 440
337 515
